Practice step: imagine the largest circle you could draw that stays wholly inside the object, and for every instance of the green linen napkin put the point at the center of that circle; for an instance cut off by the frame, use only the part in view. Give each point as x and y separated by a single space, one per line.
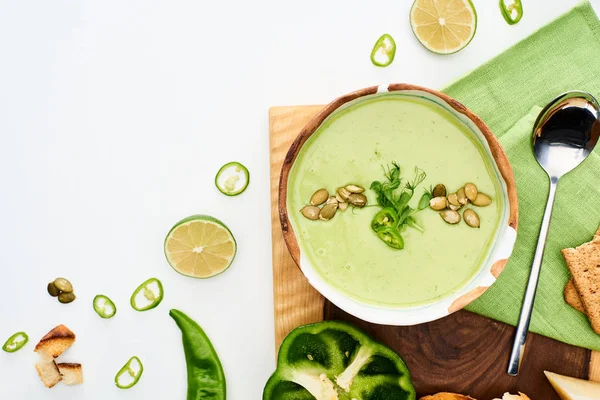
507 93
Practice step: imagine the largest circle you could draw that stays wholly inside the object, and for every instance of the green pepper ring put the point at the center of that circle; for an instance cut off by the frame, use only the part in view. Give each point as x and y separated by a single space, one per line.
100 312
154 303
391 53
377 349
124 369
11 341
506 12
244 170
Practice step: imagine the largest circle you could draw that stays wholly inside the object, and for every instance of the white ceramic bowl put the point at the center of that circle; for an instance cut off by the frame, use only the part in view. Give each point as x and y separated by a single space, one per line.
488 271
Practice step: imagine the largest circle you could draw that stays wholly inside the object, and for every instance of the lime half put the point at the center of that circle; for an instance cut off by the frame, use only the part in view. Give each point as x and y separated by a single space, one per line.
443 26
200 246
232 179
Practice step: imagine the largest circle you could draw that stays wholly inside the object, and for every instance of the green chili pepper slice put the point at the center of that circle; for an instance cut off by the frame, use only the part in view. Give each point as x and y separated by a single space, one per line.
335 360
130 374
206 379
232 179
512 12
15 342
148 295
384 51
391 237
388 217
104 306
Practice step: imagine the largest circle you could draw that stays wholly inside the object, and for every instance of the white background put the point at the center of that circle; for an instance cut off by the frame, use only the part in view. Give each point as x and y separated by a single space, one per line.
114 118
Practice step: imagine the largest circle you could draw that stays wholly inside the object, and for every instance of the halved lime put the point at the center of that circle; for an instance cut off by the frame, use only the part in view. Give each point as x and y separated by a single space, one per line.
200 246
443 26
232 179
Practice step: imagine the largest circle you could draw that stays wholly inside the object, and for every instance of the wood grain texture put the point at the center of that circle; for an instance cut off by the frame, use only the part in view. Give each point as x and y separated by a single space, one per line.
463 352
296 302
467 353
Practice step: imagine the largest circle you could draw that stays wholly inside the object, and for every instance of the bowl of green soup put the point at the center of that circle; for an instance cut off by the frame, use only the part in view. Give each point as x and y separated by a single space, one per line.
398 204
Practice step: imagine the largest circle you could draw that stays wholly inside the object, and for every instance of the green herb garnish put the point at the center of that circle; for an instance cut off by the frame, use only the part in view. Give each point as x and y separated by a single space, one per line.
394 197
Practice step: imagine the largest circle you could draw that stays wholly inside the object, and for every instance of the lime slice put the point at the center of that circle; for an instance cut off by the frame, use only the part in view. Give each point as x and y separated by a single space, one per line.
443 26
200 246
232 179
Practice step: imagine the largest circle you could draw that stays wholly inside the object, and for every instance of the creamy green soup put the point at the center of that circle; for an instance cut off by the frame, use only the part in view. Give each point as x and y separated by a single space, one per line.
350 147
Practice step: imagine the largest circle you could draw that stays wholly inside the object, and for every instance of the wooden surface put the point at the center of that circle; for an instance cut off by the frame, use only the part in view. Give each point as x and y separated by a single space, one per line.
463 352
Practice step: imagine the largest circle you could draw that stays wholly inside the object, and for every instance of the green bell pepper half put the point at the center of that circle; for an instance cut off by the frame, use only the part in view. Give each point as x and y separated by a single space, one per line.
205 376
513 12
335 360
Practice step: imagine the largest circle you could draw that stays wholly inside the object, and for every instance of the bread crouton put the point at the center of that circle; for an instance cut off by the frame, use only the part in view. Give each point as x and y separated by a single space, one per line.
55 343
520 396
447 396
48 372
71 373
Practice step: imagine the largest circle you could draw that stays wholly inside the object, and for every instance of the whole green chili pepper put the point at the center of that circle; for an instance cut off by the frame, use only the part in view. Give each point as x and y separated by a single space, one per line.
206 379
513 12
104 306
15 342
384 51
151 291
129 373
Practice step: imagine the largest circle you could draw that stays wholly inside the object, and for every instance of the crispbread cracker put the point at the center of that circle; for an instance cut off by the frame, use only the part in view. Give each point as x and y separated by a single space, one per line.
572 296
584 264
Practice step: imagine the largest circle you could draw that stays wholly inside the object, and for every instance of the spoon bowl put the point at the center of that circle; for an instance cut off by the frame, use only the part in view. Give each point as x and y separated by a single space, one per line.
564 134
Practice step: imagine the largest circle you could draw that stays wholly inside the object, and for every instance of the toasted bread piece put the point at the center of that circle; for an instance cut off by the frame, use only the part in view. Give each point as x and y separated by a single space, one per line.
447 396
48 372
572 296
584 264
55 342
508 396
71 373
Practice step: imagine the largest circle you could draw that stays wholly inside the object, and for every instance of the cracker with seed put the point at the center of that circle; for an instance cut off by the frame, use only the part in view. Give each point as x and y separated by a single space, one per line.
570 293
572 296
584 264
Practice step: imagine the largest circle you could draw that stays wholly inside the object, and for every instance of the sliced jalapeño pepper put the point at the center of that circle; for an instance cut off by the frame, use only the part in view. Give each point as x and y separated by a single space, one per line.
130 374
388 217
104 306
512 12
384 51
15 342
148 295
335 360
391 237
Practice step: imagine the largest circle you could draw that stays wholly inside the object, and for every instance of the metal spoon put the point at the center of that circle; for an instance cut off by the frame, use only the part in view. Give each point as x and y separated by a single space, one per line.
564 134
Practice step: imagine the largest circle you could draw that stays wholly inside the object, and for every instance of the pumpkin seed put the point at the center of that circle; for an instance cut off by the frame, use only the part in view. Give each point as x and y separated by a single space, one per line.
332 200
342 206
482 200
439 190
328 212
66 298
355 188
461 196
339 198
438 203
450 216
344 193
311 212
453 207
453 199
471 218
357 199
63 285
319 197
471 191
53 290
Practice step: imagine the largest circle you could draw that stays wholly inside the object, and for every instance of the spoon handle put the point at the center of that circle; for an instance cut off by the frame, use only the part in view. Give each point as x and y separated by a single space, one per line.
525 317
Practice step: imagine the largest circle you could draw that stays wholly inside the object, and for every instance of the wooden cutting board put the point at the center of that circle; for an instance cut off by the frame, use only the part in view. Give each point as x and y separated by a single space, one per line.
463 353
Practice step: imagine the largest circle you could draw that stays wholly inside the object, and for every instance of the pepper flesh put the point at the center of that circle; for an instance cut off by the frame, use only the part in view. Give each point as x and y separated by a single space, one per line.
205 376
388 217
15 342
104 306
335 360
128 370
391 237
150 295
513 12
384 51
